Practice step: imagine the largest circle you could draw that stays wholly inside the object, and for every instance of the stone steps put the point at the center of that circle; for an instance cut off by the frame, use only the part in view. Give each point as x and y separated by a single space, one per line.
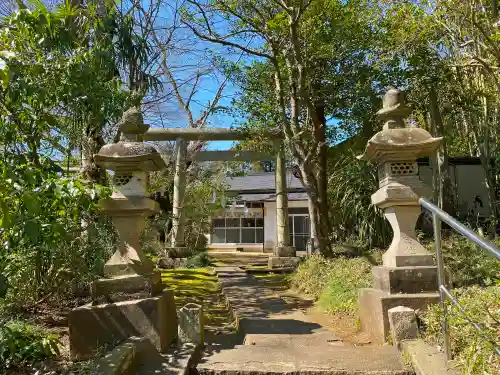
304 359
318 339
239 259
282 341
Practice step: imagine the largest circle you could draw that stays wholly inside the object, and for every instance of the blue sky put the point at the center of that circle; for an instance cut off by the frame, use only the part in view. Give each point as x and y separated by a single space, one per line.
183 66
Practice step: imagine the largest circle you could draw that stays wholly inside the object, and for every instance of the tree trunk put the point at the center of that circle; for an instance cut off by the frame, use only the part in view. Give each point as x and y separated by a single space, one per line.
91 144
485 156
440 171
319 226
322 179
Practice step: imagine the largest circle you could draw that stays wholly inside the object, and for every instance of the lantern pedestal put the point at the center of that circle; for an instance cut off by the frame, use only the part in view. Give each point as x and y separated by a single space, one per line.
408 276
130 300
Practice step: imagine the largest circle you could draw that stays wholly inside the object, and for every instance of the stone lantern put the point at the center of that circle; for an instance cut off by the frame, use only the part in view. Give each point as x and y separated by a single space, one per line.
131 160
408 276
135 302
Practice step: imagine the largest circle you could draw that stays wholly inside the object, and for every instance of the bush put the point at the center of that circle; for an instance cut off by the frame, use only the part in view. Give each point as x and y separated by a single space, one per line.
199 260
333 282
53 239
468 264
22 343
353 214
475 354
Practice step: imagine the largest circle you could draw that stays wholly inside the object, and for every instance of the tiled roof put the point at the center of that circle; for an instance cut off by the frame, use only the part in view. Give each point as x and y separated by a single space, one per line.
261 182
271 197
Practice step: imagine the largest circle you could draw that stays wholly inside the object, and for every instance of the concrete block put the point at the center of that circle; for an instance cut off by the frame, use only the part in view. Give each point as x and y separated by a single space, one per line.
191 328
428 360
412 279
91 327
374 305
403 324
285 251
281 262
122 360
127 284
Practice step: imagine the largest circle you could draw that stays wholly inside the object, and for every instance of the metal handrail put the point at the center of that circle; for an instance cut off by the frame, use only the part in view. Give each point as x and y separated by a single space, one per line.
439 215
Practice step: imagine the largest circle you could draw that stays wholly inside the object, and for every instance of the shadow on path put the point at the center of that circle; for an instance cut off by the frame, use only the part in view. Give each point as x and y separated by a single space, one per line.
278 326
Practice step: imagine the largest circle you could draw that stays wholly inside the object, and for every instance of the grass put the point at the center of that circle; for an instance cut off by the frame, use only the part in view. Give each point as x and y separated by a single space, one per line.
334 283
274 280
200 286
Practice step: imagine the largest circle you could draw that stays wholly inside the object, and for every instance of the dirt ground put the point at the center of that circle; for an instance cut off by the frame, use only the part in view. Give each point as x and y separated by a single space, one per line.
345 326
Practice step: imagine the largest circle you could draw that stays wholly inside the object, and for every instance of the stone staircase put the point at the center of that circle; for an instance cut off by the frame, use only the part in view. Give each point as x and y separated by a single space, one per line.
304 357
281 340
238 259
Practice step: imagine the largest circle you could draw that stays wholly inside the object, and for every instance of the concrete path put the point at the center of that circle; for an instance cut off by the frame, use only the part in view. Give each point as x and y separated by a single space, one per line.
261 312
278 338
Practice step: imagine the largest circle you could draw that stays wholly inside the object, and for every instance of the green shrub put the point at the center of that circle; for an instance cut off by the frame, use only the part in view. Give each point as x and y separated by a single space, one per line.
333 282
353 214
24 343
312 275
475 354
347 277
199 260
467 263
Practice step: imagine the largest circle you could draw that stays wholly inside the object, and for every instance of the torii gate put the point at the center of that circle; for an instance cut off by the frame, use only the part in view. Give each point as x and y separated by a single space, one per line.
283 247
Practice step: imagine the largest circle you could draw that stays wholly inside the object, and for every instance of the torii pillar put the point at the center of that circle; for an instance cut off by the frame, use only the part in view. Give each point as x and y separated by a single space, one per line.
177 247
283 248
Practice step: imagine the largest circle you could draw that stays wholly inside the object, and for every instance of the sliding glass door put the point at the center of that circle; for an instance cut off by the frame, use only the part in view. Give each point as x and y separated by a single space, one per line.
300 231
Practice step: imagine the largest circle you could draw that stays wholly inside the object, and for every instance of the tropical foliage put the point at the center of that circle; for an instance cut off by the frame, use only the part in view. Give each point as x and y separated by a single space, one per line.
56 88
24 343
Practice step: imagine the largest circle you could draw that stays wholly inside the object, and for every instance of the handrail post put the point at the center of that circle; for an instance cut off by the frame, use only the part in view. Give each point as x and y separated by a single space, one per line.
441 281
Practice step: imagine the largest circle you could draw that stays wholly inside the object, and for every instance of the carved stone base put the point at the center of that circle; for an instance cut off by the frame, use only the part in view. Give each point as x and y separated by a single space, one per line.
121 266
405 279
127 284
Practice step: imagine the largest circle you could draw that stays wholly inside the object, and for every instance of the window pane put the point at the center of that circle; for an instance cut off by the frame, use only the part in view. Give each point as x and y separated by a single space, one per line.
298 210
259 222
290 224
300 243
299 224
232 235
248 235
219 236
248 222
232 223
259 235
218 223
